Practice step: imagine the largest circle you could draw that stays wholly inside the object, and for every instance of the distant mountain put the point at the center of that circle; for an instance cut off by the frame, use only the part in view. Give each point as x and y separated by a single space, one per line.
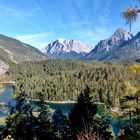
121 45
14 51
67 49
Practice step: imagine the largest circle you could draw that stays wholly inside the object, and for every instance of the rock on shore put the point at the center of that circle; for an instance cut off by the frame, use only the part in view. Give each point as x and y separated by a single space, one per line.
3 67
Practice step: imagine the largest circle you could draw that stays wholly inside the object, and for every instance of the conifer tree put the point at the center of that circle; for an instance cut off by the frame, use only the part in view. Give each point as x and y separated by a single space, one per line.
60 125
20 122
44 120
81 117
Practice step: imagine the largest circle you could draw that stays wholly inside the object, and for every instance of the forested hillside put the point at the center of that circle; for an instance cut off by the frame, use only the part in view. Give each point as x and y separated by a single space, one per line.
61 80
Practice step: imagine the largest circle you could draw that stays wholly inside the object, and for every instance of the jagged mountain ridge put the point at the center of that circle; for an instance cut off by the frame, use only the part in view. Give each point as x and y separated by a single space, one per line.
67 49
121 45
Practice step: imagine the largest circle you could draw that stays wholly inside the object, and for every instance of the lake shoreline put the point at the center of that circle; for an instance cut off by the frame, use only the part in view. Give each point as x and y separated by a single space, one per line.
60 102
2 88
53 102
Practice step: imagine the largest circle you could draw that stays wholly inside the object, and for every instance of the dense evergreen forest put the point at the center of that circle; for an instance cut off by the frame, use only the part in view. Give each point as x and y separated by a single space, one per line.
82 123
115 85
106 94
64 80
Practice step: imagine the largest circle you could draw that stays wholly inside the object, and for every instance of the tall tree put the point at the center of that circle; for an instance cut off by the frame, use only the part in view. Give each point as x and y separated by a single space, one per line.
81 117
133 104
60 125
131 14
136 119
127 105
20 122
44 120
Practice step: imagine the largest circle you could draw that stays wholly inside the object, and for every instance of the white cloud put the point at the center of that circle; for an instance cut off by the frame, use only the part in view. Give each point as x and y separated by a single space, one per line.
31 37
19 12
38 39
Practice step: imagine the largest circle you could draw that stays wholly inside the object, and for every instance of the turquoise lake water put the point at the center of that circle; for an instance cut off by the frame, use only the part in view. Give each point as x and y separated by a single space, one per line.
6 96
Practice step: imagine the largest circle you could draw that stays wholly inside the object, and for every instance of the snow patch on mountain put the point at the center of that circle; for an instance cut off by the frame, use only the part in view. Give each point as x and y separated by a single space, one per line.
68 47
120 46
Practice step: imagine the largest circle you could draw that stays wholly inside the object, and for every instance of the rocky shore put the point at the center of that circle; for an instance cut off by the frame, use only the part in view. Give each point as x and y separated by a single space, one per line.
3 67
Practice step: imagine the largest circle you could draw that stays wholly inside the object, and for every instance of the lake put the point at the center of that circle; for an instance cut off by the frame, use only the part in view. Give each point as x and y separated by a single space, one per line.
6 96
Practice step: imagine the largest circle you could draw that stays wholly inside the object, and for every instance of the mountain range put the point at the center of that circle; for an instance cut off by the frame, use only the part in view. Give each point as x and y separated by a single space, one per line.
67 49
120 46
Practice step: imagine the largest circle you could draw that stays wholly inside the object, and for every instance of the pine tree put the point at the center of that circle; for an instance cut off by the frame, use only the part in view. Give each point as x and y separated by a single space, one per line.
44 120
60 125
81 116
20 122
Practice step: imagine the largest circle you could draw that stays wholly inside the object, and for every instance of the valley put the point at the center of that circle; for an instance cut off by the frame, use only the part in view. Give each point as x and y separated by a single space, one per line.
65 79
6 96
70 70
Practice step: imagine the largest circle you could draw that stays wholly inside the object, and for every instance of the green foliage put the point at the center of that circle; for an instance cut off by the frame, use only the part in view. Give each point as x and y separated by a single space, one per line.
20 122
84 117
132 131
131 14
44 119
81 116
60 125
60 80
23 124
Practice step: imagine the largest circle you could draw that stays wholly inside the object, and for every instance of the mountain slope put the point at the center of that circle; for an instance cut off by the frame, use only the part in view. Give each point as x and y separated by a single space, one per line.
119 46
67 49
127 50
12 50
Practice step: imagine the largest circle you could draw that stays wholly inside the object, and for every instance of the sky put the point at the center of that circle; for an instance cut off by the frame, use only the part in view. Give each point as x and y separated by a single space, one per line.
38 22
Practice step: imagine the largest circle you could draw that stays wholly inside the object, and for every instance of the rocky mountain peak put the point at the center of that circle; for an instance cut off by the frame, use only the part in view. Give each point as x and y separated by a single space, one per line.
116 46
67 48
121 34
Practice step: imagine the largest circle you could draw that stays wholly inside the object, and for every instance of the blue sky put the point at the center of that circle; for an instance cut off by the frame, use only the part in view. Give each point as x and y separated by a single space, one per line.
38 22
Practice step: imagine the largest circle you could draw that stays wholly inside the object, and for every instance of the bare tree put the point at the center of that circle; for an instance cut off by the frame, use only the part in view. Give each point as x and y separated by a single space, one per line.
87 134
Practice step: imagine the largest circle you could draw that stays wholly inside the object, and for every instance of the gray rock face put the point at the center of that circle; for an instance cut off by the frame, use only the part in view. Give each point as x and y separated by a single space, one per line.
67 49
121 45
